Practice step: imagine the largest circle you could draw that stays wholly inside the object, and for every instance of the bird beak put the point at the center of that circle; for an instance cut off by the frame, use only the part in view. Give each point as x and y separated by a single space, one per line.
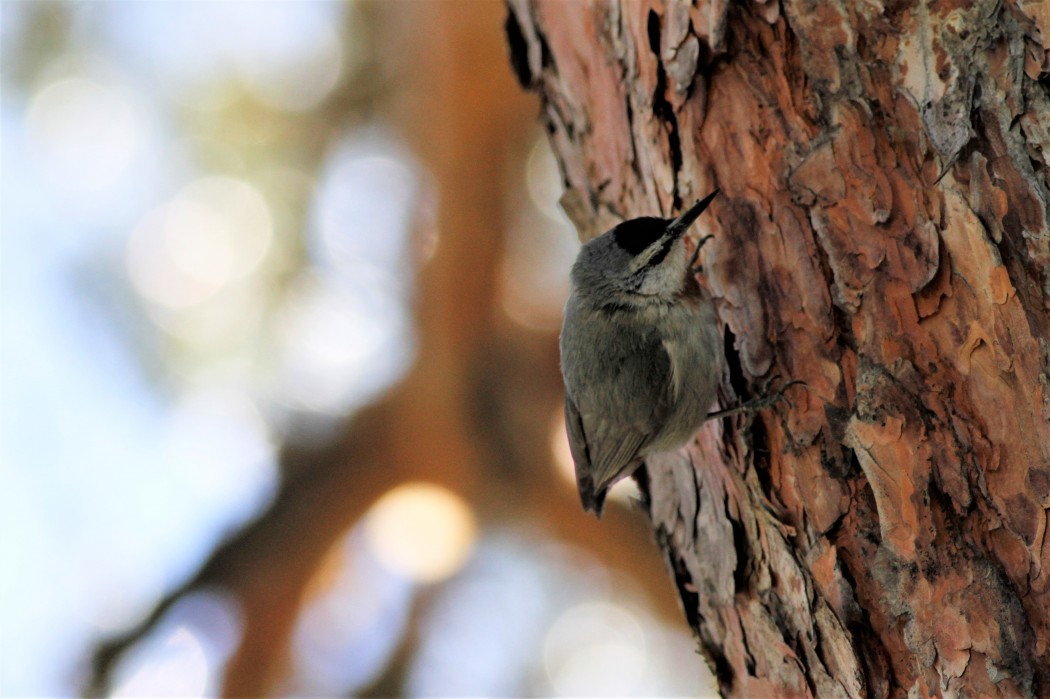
681 224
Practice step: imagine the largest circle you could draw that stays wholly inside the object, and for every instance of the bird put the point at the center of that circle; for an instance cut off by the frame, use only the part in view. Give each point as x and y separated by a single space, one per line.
641 349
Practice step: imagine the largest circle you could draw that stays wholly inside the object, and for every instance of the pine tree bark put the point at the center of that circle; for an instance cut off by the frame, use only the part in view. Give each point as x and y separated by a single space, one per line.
885 533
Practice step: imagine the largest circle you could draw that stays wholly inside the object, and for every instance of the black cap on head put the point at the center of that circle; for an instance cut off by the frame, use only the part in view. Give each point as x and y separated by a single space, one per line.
637 234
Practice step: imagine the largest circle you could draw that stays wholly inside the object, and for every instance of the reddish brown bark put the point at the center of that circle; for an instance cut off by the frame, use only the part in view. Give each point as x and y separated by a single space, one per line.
886 533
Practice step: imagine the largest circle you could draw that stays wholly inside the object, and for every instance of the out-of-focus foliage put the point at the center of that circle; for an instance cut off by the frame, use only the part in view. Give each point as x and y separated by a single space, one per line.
210 230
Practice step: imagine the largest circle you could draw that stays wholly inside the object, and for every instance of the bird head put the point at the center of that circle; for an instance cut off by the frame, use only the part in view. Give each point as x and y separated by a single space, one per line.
639 262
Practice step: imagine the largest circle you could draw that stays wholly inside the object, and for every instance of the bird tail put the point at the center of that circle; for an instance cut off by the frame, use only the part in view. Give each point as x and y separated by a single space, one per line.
593 499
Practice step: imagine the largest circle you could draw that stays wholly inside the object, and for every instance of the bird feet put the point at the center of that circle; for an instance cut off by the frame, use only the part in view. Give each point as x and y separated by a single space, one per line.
693 267
757 403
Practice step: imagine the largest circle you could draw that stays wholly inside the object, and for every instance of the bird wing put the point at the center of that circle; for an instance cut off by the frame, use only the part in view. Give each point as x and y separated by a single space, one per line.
581 456
618 392
601 452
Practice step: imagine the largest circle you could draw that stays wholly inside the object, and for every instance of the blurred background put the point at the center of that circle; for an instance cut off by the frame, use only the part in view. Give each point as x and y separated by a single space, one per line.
281 411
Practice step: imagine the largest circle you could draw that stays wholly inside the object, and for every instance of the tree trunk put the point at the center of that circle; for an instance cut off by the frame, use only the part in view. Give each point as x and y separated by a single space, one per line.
886 532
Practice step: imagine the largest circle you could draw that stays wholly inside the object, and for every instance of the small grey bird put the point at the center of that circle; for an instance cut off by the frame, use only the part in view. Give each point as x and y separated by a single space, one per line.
641 351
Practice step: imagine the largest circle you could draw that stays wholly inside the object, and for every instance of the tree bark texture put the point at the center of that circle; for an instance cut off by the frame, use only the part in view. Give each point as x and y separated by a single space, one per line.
885 533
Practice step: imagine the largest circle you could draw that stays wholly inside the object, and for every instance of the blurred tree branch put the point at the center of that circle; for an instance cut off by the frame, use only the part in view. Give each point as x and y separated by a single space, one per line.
474 412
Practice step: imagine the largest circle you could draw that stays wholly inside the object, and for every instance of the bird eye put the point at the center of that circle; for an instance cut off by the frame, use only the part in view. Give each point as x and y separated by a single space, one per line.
639 233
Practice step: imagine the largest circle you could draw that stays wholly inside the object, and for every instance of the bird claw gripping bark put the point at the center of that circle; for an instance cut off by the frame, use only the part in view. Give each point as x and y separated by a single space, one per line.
693 267
757 403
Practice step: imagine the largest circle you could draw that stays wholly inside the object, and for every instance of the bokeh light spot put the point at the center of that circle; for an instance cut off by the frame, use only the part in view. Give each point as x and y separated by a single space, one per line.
341 345
543 179
213 232
355 614
364 206
540 248
220 443
422 531
291 71
86 133
180 670
595 649
184 656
